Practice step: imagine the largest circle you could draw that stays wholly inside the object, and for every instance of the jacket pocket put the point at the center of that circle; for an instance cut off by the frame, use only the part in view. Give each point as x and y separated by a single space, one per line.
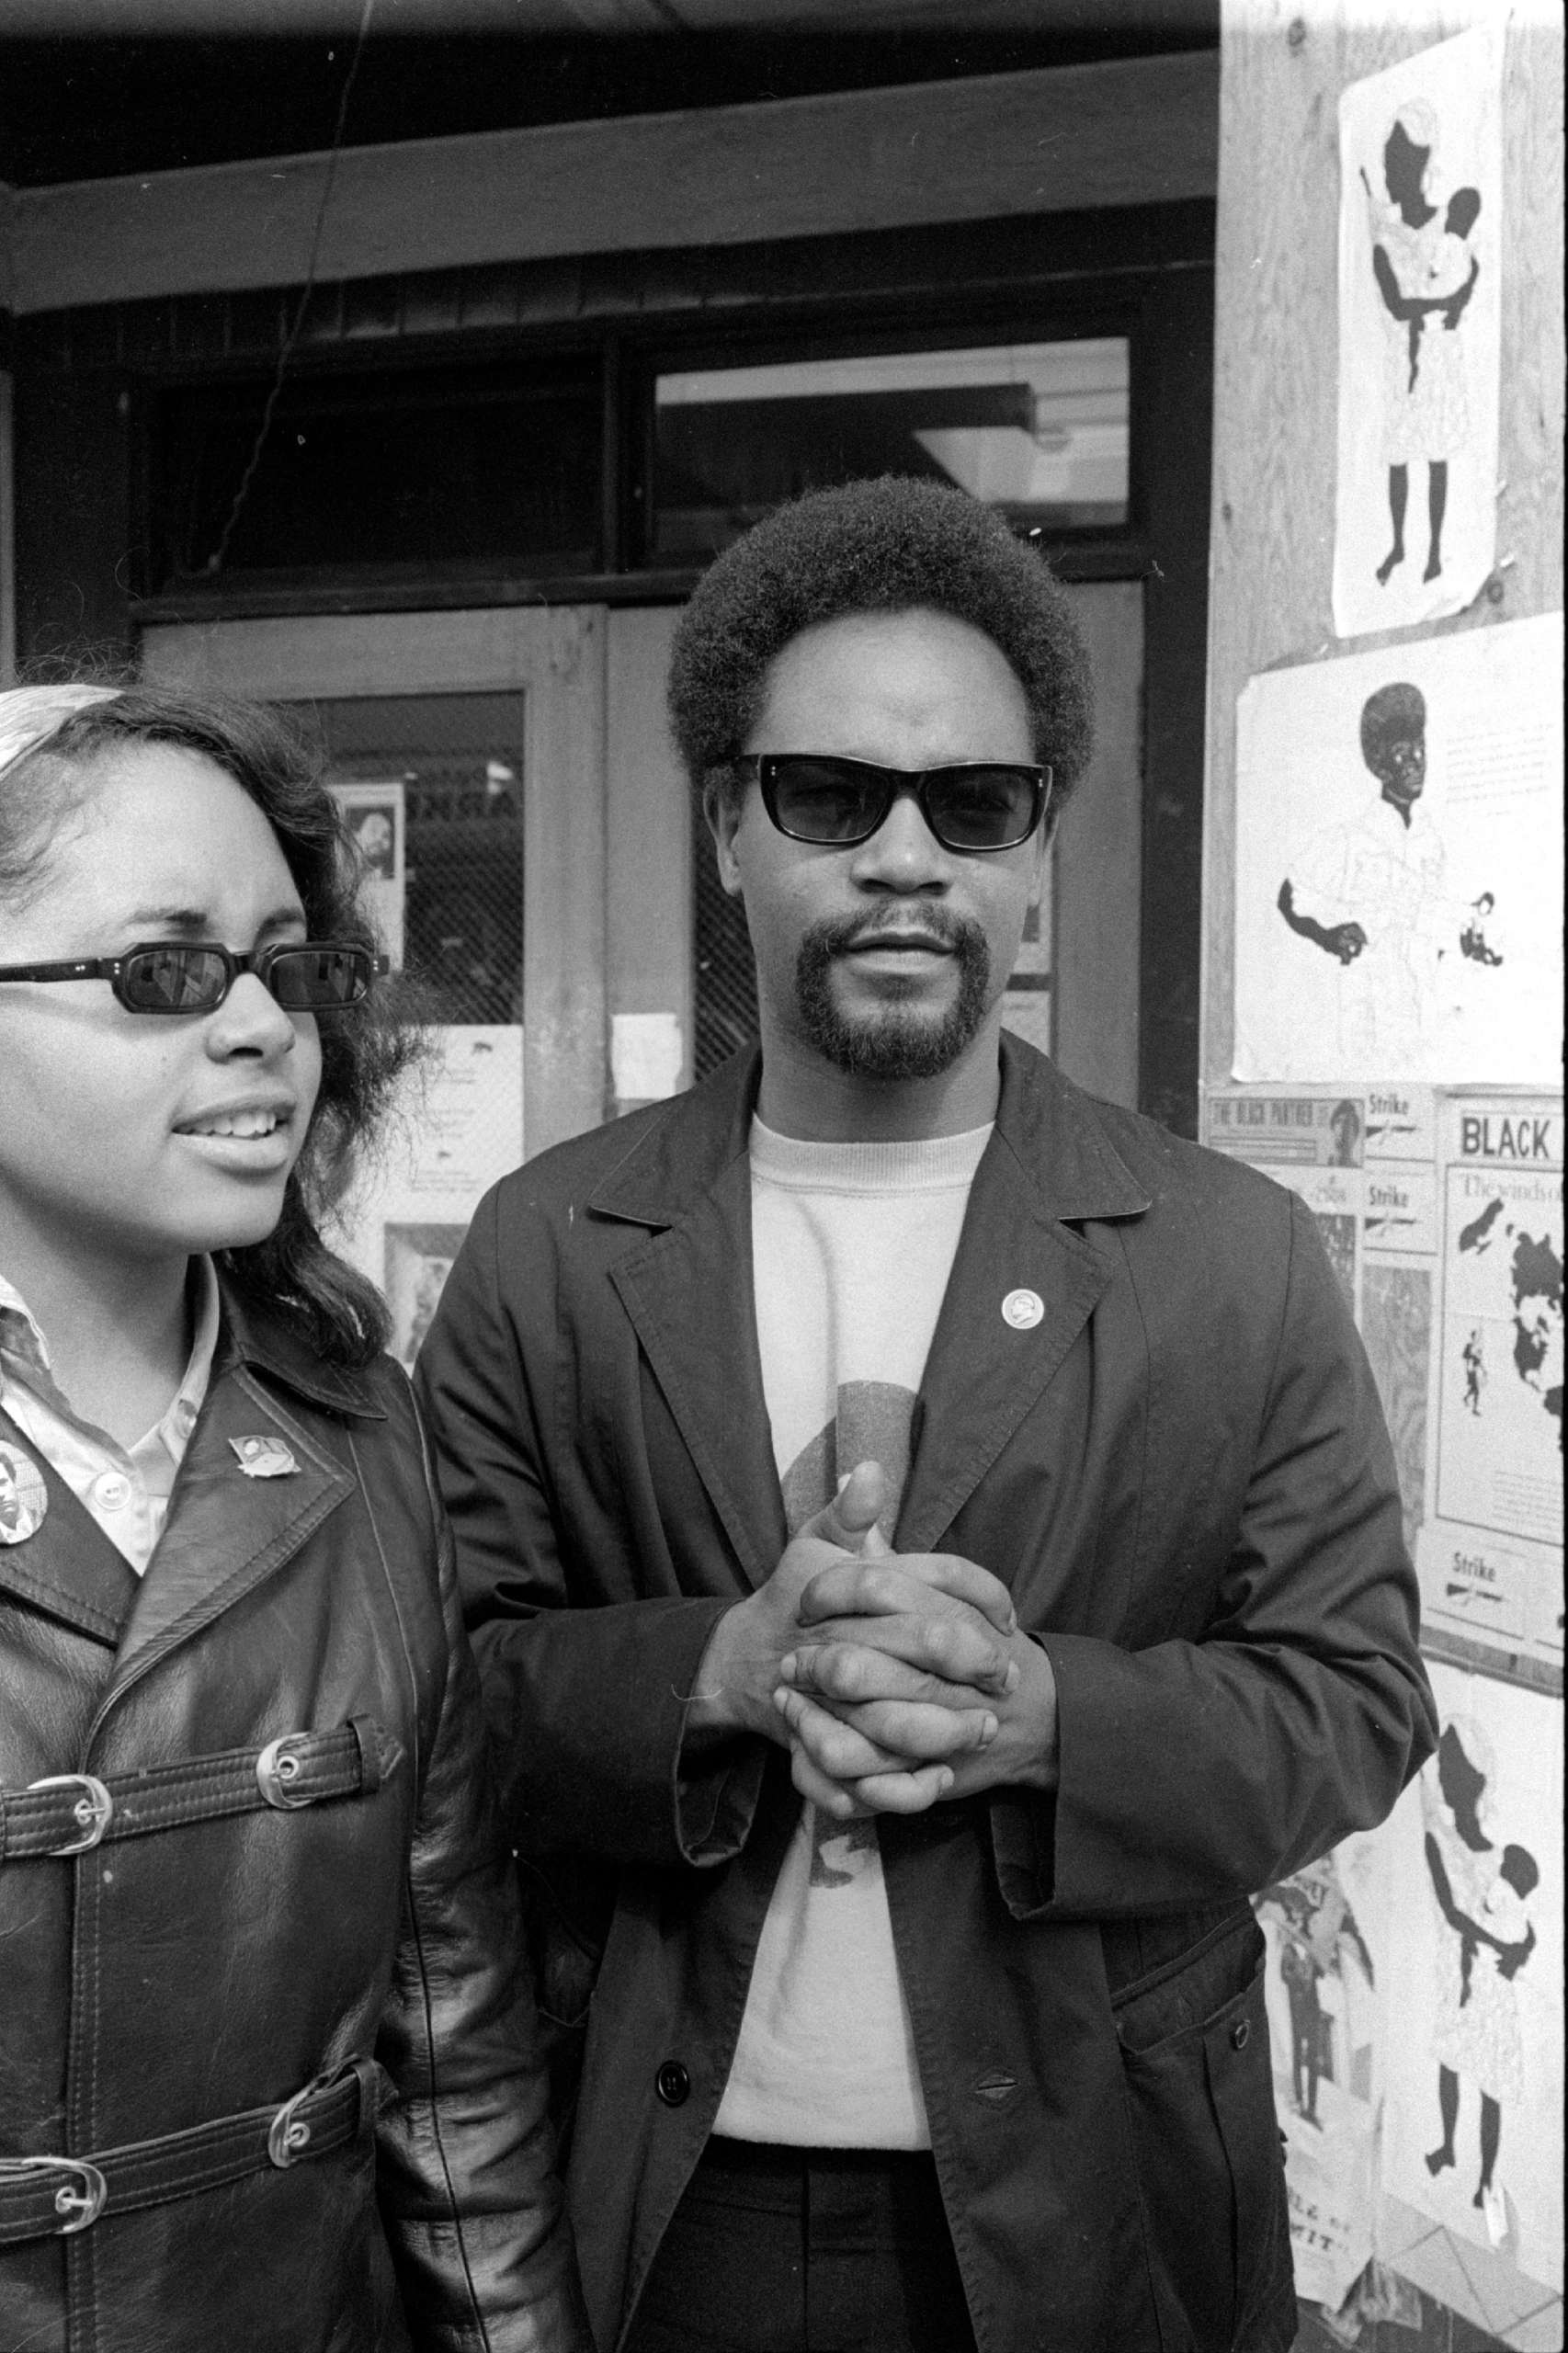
567 1908
1205 2143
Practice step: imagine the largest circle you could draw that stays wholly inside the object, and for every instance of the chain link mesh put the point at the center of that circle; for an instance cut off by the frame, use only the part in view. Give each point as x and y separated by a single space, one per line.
459 761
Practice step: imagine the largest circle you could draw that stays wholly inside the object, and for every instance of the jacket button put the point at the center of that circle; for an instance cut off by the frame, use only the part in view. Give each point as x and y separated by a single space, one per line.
1240 2035
673 2083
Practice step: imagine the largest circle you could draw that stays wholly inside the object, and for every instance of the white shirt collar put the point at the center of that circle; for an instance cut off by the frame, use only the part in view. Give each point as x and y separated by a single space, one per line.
24 1356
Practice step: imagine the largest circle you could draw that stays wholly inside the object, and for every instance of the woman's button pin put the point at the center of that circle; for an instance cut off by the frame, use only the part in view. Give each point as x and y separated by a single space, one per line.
24 1498
264 1458
1022 1310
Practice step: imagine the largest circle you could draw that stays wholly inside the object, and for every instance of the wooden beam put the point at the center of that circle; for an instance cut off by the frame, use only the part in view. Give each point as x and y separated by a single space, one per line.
1140 130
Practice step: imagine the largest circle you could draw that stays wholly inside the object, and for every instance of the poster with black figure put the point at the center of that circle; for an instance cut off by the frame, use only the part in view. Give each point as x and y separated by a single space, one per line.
1398 848
1472 2136
1420 275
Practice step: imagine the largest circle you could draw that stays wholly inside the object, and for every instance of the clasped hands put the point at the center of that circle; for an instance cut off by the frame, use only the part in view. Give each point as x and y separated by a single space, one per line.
893 1679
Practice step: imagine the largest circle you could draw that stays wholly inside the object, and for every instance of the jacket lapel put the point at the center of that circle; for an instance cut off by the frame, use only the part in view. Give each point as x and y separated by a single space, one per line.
227 1532
688 1293
1047 1166
67 1566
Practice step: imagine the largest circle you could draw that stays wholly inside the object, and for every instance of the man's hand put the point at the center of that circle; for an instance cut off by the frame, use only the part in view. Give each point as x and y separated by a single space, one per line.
739 1670
868 1723
1344 940
894 1679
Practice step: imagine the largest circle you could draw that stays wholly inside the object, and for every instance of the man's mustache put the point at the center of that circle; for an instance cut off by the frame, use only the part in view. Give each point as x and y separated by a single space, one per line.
934 927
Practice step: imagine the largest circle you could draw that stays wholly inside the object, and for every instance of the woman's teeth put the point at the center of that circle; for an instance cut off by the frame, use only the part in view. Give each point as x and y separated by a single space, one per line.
236 1123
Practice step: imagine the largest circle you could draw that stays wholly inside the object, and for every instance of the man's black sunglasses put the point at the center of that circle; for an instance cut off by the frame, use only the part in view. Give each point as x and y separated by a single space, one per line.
304 975
837 802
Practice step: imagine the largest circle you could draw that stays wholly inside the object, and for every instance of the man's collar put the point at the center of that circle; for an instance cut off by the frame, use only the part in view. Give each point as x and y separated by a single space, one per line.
1052 1129
1057 1134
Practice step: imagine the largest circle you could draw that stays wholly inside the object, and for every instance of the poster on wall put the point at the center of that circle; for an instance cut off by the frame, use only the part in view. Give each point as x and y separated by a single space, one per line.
1420 331
457 1128
1324 1971
1491 1557
1472 2059
1314 1145
374 813
1366 1166
1399 846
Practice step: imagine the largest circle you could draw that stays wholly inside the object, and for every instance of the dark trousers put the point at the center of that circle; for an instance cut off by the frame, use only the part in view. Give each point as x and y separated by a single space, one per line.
776 2250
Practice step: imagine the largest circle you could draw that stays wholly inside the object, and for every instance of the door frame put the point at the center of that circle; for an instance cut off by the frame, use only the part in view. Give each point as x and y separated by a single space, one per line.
556 659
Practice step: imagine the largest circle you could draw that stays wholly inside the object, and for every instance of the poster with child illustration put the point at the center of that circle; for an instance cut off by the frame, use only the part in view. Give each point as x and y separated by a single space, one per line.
1420 263
1472 2136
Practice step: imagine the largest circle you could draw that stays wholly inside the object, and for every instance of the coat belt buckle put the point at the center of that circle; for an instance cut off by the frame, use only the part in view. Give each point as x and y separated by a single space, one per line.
93 1812
289 2134
78 2208
277 1768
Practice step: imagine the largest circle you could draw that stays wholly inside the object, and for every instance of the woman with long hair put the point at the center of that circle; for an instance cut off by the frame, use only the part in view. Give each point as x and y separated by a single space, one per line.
268 2075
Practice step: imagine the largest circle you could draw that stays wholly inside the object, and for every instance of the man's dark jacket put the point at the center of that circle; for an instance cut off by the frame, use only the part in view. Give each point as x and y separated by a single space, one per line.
1182 1472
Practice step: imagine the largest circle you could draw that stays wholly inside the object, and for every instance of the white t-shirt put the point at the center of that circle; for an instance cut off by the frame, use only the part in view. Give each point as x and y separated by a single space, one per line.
852 1244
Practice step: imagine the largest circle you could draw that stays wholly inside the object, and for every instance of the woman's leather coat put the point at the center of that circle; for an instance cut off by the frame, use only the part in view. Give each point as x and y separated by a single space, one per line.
333 1914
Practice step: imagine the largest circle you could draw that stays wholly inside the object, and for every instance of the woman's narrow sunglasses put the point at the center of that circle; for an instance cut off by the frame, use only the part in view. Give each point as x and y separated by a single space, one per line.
195 976
835 802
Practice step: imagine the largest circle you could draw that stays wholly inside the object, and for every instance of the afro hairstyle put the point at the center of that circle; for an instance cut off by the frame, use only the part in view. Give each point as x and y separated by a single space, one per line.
887 546
1394 714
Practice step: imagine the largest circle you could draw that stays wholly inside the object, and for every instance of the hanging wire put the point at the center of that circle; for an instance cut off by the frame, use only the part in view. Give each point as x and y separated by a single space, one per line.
286 351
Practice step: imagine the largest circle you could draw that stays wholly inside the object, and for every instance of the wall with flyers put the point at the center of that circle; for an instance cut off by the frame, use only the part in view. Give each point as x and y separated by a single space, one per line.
1383 1034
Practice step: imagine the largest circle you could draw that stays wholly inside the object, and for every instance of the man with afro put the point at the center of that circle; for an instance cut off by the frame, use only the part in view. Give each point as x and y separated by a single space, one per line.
932 1547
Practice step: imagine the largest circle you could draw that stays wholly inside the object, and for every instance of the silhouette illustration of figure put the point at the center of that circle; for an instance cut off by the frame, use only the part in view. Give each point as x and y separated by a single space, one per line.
1480 1899
1472 938
1317 1929
1424 268
1474 1372
1372 893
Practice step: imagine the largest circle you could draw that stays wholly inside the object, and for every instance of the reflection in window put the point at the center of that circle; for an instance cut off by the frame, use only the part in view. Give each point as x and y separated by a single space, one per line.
1039 430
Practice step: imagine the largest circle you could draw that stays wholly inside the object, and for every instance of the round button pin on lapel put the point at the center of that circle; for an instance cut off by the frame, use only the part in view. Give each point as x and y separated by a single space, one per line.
1022 1310
24 1498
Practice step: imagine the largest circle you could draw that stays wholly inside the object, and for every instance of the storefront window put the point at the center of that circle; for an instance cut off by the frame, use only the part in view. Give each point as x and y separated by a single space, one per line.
1039 430
381 478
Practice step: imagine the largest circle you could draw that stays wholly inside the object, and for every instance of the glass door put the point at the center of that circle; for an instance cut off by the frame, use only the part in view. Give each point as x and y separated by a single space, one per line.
467 750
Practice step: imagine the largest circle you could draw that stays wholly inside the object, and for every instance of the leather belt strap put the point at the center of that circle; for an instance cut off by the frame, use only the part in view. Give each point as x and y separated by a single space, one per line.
68 1812
52 2196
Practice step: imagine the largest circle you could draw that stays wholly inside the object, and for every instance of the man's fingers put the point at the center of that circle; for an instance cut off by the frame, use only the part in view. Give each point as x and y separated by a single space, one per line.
914 1734
954 1644
913 1792
960 1672
836 1748
901 1582
834 1798
850 1743
850 1519
896 1793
